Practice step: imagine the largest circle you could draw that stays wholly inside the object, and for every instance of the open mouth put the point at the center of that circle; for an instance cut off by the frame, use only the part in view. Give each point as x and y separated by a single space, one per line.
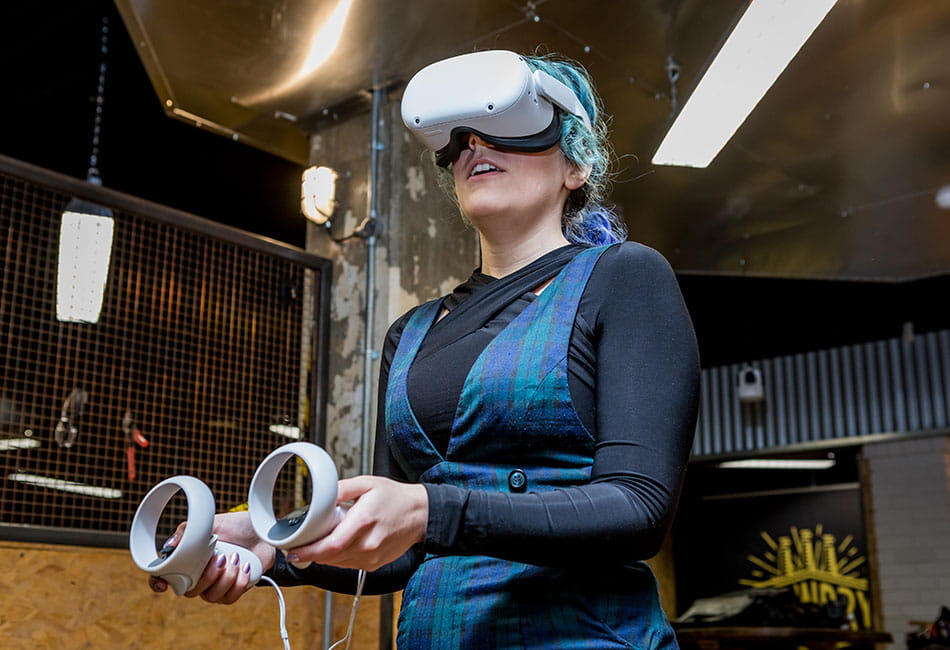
483 168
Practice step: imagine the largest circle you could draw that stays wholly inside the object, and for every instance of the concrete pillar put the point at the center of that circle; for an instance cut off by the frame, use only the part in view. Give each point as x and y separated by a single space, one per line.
424 250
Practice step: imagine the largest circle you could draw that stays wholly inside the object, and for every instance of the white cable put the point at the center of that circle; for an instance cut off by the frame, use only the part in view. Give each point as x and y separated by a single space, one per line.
361 578
283 613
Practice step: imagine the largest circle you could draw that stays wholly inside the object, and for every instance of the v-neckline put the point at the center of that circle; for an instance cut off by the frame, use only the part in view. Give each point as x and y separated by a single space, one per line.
491 299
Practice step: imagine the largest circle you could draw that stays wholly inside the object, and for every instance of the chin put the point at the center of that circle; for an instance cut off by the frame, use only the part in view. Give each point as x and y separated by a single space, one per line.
486 213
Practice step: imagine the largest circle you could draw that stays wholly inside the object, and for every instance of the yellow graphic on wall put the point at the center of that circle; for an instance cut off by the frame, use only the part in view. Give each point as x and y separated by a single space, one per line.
817 568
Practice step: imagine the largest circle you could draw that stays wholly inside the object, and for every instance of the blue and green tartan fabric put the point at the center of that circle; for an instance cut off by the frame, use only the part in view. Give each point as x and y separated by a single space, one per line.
515 412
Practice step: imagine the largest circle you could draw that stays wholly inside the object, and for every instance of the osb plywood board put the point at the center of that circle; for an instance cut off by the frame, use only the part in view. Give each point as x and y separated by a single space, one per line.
68 597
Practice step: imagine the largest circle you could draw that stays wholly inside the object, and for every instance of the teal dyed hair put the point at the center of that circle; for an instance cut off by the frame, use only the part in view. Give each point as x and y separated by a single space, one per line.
585 220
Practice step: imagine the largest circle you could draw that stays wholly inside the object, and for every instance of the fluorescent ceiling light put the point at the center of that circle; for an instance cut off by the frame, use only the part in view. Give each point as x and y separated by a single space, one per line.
285 430
767 37
10 444
778 463
85 246
66 486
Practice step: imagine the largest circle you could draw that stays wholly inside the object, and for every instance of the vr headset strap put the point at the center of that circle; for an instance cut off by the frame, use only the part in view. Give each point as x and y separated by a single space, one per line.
560 95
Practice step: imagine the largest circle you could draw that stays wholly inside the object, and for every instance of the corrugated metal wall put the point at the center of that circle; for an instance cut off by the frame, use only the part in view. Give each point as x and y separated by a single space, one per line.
899 385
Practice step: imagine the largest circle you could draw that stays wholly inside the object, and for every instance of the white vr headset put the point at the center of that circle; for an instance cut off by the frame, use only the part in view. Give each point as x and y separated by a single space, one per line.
493 94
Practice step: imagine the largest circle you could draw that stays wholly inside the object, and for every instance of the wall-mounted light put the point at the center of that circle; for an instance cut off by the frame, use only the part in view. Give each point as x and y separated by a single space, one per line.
765 40
318 194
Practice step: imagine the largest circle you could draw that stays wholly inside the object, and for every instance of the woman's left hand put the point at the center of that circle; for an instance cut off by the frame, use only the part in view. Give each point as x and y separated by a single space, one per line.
385 520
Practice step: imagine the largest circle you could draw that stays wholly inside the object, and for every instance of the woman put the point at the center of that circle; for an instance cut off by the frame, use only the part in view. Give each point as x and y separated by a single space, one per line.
534 427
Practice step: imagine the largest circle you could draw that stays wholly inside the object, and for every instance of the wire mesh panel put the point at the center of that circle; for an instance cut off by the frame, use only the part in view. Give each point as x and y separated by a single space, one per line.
201 363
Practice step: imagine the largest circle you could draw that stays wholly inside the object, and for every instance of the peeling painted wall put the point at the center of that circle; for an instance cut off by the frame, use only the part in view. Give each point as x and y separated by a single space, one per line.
344 148
424 251
431 248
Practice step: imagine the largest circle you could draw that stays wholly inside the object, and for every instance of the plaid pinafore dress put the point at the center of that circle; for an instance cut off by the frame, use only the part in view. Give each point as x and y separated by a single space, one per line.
515 415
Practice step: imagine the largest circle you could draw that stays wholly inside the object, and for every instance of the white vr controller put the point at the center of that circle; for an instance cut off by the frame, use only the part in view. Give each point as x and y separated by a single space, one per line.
182 565
307 524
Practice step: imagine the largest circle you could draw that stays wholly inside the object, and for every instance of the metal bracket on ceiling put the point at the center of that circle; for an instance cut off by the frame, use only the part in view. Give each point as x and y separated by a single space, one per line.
673 75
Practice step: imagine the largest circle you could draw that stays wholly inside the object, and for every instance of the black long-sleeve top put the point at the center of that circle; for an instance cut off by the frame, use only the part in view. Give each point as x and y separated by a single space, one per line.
633 371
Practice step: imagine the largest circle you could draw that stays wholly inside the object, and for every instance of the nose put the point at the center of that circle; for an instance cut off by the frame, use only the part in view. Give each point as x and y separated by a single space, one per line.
469 141
474 140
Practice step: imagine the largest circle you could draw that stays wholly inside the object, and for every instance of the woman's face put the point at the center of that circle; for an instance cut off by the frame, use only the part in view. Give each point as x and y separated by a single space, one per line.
494 184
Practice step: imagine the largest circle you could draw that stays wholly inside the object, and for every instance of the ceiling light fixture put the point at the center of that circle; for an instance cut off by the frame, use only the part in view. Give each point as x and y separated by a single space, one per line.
764 41
778 463
85 236
85 247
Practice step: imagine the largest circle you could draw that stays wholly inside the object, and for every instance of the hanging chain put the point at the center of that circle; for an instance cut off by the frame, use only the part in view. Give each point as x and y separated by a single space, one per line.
93 174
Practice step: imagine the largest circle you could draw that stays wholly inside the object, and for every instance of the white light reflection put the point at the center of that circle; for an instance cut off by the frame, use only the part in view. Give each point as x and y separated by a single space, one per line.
66 486
11 444
325 39
285 430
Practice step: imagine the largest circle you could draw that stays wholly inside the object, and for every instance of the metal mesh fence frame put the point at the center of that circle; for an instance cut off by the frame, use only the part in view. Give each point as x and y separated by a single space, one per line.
209 351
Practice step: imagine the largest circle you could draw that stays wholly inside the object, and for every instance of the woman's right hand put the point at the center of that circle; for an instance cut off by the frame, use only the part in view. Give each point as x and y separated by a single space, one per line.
224 581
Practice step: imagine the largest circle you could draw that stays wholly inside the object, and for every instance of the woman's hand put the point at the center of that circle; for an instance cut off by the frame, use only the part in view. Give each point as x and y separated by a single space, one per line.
224 580
386 519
